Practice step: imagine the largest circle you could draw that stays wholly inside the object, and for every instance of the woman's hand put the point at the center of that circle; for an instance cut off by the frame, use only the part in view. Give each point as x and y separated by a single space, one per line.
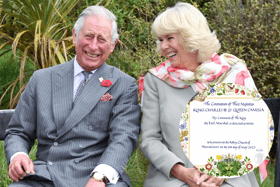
210 180
194 177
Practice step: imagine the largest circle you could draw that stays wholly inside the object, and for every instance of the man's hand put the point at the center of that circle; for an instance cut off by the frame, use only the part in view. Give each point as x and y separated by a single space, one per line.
194 178
93 183
20 166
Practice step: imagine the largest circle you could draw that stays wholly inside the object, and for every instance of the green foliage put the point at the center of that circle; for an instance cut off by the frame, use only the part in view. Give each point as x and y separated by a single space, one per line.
247 29
9 72
135 53
269 181
250 30
37 32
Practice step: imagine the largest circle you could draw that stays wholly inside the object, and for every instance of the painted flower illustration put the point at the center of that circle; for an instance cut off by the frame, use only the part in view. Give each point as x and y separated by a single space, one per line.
239 157
183 125
184 145
231 87
218 157
183 134
106 83
243 92
208 166
227 165
258 96
212 90
249 166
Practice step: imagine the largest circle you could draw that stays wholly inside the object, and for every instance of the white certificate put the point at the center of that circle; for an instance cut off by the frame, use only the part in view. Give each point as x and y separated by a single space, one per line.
227 130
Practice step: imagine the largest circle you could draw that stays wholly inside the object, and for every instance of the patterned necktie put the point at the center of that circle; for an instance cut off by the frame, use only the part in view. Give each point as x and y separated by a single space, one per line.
81 86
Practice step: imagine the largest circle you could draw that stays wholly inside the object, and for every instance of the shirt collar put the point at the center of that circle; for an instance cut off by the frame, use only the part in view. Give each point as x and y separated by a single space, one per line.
78 69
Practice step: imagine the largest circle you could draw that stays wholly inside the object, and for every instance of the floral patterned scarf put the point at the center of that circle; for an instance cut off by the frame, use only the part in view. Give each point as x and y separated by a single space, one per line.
226 68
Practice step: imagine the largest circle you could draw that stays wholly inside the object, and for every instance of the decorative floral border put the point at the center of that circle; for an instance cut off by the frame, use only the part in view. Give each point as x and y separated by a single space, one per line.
227 166
219 90
227 89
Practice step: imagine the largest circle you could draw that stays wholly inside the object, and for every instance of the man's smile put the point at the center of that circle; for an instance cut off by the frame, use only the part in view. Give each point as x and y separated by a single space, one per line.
92 55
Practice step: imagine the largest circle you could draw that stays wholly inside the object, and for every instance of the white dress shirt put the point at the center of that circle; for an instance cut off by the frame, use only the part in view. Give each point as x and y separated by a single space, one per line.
110 172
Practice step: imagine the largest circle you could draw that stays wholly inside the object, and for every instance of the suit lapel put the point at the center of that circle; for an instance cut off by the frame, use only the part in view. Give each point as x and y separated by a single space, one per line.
90 96
62 86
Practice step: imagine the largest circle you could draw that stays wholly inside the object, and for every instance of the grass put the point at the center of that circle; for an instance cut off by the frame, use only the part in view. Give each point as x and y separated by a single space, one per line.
4 178
136 169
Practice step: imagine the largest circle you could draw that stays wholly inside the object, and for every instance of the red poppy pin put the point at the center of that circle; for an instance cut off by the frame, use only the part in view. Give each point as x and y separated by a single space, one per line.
106 83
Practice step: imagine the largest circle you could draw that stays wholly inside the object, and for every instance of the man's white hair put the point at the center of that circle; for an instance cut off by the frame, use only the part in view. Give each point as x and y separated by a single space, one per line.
97 11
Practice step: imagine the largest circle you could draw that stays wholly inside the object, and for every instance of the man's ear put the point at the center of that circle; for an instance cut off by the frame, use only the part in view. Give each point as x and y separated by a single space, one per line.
113 45
74 36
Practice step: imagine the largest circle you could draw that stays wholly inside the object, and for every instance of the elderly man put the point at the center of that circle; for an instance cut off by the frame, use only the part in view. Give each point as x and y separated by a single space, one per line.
84 113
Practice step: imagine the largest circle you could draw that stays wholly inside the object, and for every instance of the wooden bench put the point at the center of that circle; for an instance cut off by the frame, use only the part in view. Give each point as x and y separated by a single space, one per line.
5 117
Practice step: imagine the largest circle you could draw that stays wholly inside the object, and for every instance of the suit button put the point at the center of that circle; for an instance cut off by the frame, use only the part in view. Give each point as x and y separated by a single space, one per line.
81 146
90 128
76 160
55 144
50 163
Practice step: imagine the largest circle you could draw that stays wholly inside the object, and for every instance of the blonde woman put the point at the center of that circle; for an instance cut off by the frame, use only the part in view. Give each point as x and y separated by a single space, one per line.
185 39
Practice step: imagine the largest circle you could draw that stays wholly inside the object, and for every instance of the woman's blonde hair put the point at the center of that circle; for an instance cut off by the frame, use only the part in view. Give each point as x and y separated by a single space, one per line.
192 27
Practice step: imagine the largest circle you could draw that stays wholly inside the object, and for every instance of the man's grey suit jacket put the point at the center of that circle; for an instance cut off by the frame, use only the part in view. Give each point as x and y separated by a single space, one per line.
72 142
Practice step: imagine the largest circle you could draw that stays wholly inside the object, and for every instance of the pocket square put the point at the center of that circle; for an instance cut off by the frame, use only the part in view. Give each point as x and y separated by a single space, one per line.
106 97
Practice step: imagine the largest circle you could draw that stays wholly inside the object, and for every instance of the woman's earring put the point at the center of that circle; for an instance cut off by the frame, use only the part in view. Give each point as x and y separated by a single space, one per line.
193 50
